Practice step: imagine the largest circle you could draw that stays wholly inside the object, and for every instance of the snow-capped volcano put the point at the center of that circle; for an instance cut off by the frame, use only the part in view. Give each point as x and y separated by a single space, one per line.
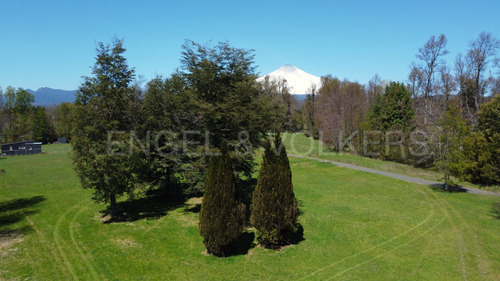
298 81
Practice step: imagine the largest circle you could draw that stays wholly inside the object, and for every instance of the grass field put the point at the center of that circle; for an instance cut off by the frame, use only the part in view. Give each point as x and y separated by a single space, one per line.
358 226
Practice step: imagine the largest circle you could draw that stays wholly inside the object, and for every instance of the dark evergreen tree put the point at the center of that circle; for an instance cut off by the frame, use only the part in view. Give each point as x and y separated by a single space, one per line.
390 121
393 109
481 149
222 216
102 116
225 100
274 207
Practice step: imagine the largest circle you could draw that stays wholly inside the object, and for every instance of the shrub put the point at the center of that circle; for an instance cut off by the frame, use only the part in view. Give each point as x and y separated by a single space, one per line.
274 207
222 216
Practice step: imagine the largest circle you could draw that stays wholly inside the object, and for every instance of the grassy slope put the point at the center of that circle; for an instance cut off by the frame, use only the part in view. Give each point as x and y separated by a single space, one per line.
357 226
301 145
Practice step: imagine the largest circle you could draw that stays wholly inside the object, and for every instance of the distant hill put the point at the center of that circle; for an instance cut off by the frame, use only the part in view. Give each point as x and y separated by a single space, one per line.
48 96
298 81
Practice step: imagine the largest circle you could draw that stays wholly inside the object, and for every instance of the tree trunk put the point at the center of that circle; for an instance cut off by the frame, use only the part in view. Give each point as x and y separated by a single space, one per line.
478 92
112 207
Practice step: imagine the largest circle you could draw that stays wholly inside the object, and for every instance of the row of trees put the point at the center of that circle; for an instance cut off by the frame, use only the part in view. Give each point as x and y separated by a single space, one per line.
192 132
436 119
20 120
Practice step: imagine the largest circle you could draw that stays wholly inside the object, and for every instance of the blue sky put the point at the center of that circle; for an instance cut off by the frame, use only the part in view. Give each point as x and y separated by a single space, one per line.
52 43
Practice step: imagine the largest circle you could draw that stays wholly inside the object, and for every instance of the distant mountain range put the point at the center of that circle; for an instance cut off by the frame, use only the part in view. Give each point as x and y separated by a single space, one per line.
48 96
298 81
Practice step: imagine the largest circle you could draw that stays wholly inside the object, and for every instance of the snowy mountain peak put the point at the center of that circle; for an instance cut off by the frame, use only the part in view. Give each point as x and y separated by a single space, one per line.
298 81
288 68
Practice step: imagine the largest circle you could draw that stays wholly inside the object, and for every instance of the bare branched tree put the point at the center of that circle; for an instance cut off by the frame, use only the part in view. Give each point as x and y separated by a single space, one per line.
447 84
375 88
482 51
431 54
416 79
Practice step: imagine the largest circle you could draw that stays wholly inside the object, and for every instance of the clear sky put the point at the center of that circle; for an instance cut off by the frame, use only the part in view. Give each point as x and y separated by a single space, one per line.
52 43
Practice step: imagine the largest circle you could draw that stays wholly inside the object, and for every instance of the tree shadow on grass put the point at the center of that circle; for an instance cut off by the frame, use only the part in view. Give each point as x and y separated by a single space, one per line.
243 244
22 203
448 188
6 234
154 205
290 238
296 236
14 217
14 211
240 246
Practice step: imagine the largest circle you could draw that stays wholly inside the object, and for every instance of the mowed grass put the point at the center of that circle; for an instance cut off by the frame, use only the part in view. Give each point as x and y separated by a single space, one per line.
358 226
299 144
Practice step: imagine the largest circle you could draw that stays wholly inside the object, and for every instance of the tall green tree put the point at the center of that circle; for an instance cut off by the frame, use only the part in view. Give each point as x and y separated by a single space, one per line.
104 110
390 118
24 110
226 101
274 207
42 130
20 111
393 108
481 149
24 101
62 120
222 216
453 130
164 112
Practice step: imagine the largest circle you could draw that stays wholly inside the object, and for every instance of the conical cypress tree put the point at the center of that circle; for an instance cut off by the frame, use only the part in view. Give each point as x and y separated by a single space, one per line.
222 216
274 207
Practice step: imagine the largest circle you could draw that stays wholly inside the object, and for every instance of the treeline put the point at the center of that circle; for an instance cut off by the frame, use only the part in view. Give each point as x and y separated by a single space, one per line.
20 120
442 117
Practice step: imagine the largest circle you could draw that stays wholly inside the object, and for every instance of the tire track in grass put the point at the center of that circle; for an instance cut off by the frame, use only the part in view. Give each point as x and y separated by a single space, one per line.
434 204
58 239
461 243
431 214
460 240
478 251
56 261
84 257
103 263
387 252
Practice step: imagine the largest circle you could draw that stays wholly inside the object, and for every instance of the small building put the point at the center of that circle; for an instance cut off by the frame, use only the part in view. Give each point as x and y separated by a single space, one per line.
62 140
21 148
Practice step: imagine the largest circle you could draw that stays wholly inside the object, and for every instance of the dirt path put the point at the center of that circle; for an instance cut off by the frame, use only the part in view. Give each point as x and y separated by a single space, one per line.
393 175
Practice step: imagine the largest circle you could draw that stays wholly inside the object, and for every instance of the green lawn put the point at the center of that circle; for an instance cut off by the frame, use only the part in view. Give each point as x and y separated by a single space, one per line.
358 226
301 145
